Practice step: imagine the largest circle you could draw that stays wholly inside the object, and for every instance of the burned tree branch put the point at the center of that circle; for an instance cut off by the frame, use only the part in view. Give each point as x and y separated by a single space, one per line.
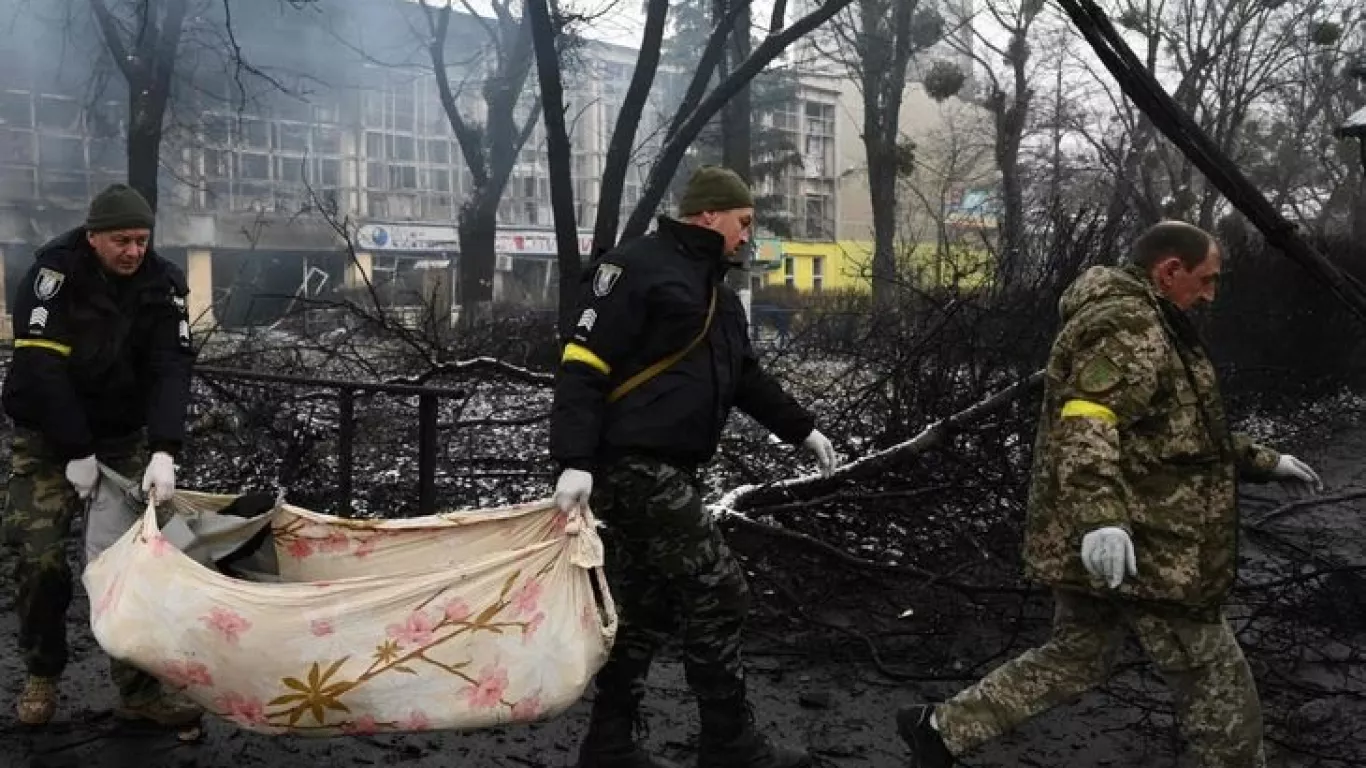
755 497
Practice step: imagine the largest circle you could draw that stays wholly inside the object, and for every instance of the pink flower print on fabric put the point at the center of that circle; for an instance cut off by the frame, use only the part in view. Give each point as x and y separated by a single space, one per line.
457 610
532 626
528 708
159 545
241 709
184 674
417 630
487 692
528 598
227 623
361 726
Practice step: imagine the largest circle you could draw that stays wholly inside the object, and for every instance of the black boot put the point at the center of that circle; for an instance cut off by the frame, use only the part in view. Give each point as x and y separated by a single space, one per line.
611 742
927 746
730 740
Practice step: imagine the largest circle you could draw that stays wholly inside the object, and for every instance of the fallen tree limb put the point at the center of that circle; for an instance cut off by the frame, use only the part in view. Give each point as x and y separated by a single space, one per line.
910 493
1299 578
1303 504
786 491
829 550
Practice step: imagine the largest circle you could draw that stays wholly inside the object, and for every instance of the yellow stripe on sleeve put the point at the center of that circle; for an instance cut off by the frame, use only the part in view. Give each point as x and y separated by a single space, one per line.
61 349
577 353
1085 409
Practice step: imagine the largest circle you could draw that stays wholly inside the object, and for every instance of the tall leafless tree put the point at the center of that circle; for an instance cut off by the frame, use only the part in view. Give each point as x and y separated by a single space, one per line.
146 40
1009 96
491 147
698 107
876 41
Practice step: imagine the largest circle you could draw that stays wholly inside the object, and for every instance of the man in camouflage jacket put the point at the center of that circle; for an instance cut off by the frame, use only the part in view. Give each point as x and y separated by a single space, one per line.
1133 517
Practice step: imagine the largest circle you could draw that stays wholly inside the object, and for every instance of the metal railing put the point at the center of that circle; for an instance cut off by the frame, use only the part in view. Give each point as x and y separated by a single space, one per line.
427 400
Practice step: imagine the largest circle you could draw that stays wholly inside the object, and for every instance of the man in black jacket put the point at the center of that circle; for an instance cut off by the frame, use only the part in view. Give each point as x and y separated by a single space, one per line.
659 356
102 354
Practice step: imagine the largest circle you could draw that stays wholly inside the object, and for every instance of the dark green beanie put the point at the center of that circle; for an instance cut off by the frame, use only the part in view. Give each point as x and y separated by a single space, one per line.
713 188
119 207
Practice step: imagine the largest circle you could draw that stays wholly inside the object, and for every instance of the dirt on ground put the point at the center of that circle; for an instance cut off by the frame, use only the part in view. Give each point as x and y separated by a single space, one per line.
841 710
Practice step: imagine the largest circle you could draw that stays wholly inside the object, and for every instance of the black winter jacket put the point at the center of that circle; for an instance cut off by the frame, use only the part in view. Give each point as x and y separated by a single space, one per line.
99 356
639 304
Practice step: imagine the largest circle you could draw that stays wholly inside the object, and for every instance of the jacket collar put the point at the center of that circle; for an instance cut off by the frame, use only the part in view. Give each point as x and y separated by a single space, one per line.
696 242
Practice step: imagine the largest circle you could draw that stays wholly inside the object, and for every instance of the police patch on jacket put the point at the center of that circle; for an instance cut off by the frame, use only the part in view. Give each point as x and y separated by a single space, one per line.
47 283
605 279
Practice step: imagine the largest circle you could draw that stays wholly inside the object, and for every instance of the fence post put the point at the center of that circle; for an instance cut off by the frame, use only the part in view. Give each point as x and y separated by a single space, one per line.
426 456
346 438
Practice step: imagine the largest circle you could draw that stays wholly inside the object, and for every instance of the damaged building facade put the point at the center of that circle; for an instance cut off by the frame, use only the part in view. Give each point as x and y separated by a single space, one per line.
260 178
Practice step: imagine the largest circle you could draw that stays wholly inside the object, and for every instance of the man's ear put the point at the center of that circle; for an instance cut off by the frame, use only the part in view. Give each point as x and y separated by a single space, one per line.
1166 270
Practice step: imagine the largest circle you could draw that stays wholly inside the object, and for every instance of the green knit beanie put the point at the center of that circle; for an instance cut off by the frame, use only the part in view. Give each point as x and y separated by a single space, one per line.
713 188
119 207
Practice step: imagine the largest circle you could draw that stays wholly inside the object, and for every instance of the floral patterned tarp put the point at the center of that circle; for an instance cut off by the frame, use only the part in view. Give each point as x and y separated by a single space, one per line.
456 621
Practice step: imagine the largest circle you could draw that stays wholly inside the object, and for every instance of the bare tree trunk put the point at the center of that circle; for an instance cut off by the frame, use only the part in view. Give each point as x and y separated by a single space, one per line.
687 129
737 118
1012 114
478 232
147 66
560 153
490 151
884 57
1359 205
144 165
618 158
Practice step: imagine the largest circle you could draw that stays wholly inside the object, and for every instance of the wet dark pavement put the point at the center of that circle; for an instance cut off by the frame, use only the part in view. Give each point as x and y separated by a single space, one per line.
851 726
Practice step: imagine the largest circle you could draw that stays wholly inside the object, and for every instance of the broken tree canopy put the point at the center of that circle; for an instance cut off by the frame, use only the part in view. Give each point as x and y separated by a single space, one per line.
1140 86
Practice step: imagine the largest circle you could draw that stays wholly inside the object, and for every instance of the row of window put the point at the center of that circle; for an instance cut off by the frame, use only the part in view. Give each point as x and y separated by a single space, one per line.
817 272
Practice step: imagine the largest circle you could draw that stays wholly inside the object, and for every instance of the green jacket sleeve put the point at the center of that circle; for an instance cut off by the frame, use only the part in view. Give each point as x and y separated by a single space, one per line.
1108 380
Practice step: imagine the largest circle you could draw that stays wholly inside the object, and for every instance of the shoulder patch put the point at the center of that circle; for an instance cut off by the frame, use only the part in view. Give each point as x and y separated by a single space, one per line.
587 320
1099 375
605 279
47 283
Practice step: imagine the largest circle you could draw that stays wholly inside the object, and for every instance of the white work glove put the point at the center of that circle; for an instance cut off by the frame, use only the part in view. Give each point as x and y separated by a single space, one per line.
160 477
825 452
83 474
1290 468
1108 553
573 489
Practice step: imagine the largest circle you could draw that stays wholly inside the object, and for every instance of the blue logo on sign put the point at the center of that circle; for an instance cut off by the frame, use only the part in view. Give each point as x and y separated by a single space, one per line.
380 236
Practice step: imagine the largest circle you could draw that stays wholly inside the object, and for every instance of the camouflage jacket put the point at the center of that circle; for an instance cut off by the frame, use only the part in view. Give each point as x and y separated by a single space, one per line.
1133 434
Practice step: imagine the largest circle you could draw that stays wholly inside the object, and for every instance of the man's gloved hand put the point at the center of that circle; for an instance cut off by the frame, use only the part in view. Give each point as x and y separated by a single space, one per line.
573 489
1290 468
160 477
825 452
1108 553
83 474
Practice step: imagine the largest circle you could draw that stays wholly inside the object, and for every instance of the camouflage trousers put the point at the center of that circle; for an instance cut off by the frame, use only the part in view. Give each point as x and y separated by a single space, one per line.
671 574
39 511
1215 694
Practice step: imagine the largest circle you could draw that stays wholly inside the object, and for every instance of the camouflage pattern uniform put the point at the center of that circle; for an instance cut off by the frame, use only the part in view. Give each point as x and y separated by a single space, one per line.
656 311
670 569
1132 435
101 366
37 523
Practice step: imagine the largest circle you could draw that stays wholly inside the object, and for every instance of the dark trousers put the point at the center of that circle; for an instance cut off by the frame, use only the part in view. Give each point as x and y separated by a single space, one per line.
671 574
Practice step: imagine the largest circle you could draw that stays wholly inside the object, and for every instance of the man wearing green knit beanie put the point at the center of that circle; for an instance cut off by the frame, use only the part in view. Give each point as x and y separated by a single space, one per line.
100 375
649 375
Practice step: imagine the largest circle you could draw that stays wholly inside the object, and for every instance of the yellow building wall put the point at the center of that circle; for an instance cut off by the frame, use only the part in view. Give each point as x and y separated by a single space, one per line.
847 265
